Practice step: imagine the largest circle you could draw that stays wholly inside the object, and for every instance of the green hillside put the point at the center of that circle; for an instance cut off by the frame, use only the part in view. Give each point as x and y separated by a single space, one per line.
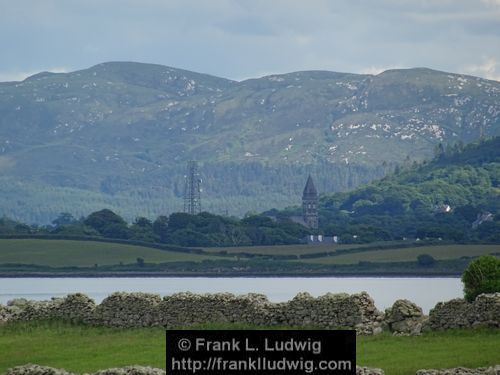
456 197
119 135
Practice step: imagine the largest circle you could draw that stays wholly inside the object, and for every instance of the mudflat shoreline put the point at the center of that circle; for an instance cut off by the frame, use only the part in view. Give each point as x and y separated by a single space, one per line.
225 274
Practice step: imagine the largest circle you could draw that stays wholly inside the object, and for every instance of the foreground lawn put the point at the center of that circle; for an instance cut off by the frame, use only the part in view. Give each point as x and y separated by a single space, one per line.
81 348
61 253
454 348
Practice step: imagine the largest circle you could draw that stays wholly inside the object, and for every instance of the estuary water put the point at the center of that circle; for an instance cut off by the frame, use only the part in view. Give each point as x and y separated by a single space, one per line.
425 292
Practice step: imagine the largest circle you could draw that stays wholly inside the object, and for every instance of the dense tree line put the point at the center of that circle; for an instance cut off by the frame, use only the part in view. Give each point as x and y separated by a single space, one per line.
455 197
182 229
229 187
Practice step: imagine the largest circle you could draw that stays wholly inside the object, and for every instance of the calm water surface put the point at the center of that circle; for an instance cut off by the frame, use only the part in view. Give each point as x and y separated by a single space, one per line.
425 292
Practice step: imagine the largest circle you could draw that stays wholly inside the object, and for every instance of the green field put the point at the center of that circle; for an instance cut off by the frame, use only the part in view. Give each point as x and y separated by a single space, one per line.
71 253
81 348
294 249
409 254
62 253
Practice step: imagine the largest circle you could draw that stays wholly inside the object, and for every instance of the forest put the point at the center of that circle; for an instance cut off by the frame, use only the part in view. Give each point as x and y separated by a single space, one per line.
455 197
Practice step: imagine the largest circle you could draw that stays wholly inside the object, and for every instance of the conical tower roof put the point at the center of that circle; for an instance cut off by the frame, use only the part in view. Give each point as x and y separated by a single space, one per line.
310 189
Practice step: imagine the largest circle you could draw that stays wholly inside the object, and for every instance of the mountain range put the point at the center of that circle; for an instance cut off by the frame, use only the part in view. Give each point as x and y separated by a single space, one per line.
119 135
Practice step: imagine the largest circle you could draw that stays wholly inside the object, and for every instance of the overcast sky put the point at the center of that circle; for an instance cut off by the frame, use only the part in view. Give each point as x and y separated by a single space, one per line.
241 39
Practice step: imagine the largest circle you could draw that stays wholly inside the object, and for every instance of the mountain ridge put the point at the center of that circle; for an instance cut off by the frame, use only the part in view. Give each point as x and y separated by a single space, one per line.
129 128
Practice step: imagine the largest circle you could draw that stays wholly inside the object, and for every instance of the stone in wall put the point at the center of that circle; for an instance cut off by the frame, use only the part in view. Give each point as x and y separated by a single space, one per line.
75 308
131 370
25 310
486 310
127 310
404 318
451 314
11 311
36 370
368 371
494 370
371 318
458 313
340 310
4 314
186 309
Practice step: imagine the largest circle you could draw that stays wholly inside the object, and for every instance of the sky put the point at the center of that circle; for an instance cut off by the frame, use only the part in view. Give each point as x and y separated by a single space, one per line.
240 39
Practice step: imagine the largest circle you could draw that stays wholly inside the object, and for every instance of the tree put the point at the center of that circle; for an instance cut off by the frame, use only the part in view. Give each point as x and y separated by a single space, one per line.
160 228
143 222
425 260
142 230
481 276
107 223
181 220
64 218
115 230
75 230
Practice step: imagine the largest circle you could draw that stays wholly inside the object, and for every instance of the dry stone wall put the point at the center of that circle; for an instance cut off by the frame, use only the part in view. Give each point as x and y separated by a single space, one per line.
131 370
127 310
145 370
45 370
334 310
404 318
494 370
356 311
458 313
188 309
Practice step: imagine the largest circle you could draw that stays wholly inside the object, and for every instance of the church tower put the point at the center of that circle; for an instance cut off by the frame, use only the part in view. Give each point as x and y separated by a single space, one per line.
310 204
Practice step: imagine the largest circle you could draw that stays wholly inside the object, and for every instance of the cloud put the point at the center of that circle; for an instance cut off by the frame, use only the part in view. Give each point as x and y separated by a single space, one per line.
239 38
489 68
21 76
491 2
374 70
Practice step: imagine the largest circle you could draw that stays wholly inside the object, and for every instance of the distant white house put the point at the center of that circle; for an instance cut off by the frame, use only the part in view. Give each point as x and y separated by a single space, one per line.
319 239
443 208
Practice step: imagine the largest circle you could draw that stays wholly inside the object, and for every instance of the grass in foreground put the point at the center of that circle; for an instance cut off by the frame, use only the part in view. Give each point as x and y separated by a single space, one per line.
82 348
